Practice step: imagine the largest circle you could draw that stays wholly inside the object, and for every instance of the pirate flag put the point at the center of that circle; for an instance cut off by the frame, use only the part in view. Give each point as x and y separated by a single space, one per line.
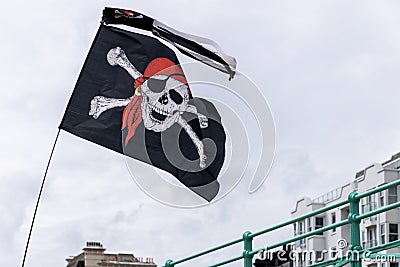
133 97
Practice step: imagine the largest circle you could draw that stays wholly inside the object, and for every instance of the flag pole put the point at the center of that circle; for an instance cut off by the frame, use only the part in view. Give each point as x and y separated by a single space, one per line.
39 196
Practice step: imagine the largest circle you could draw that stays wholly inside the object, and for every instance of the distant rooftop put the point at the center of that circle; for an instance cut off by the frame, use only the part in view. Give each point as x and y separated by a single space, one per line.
392 163
95 250
393 158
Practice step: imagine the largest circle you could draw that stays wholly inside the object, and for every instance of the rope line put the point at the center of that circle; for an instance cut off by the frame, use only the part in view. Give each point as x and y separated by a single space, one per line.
38 199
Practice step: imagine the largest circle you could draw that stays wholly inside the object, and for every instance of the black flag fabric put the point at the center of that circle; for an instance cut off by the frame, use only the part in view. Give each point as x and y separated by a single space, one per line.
133 97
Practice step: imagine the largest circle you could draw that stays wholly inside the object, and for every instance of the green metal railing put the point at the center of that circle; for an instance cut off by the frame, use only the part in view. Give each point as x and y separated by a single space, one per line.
354 255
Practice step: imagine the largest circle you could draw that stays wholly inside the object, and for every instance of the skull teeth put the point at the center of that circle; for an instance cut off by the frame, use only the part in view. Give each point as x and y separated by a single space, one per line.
158 110
158 115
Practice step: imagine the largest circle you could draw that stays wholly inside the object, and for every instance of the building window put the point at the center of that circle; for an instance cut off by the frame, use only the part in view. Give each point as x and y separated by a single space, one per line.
371 198
392 196
363 241
382 198
394 264
319 223
333 219
393 232
319 256
309 225
369 204
302 242
300 262
394 165
333 253
382 230
371 237
362 203
294 229
301 227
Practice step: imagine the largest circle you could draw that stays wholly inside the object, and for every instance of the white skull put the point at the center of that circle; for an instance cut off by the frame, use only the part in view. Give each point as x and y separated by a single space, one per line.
164 100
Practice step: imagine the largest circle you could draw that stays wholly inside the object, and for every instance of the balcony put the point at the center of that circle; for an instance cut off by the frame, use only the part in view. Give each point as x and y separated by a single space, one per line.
369 206
370 244
300 244
330 196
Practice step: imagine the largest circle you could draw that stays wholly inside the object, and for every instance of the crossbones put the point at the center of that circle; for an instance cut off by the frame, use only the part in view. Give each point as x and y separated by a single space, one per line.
164 101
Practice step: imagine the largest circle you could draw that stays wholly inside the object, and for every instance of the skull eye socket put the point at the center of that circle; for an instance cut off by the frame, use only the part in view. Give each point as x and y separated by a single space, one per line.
175 96
158 85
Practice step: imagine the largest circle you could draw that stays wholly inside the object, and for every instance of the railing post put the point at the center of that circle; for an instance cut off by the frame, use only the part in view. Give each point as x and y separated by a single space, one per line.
169 263
355 242
248 247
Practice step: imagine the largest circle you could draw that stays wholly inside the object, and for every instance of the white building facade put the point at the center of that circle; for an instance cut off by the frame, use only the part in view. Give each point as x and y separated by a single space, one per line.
377 230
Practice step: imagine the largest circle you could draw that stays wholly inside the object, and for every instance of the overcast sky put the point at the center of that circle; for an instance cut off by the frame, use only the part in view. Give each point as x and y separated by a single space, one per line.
329 70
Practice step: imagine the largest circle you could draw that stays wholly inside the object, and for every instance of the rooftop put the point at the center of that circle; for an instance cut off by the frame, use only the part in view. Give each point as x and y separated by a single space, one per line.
96 249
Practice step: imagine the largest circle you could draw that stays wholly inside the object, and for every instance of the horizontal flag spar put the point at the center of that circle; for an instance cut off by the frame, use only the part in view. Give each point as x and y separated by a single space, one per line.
187 44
